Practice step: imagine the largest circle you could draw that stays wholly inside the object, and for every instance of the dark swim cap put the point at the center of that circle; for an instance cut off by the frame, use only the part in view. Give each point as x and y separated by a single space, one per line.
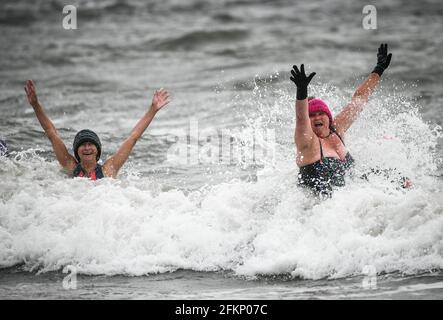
3 148
87 136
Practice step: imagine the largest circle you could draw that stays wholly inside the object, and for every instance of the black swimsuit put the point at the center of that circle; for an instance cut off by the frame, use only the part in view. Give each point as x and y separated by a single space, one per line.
95 175
321 175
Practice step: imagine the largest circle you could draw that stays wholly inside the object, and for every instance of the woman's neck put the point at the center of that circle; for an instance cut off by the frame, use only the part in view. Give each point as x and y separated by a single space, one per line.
88 166
325 135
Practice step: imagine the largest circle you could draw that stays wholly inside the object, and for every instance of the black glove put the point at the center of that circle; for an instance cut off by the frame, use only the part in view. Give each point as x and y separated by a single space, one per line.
301 81
383 59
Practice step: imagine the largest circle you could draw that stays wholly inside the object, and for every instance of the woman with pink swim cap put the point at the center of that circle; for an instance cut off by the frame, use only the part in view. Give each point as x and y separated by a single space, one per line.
321 154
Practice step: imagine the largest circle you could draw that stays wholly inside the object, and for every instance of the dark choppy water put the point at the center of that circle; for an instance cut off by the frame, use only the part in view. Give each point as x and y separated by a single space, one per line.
184 285
226 65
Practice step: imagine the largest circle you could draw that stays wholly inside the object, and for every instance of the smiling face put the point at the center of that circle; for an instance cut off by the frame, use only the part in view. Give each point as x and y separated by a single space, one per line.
87 152
320 123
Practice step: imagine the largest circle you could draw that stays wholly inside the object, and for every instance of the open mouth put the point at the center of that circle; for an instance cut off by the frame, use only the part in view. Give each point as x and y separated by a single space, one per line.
318 125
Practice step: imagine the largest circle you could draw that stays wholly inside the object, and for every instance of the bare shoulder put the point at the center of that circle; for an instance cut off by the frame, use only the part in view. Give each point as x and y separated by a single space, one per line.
108 168
69 169
71 165
340 132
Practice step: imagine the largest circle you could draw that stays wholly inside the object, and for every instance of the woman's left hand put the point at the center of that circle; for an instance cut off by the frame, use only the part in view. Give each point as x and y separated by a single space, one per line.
160 99
383 59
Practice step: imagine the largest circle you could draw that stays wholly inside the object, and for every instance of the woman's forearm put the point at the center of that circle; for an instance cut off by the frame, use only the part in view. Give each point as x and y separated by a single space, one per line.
303 131
349 114
159 100
365 89
302 121
65 159
142 125
114 163
44 120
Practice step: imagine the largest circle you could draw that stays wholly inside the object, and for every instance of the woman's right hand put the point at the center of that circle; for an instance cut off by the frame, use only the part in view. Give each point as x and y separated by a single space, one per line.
30 92
301 81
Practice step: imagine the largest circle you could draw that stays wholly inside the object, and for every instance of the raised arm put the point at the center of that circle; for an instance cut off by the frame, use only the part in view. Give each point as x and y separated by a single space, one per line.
114 163
66 160
350 113
303 135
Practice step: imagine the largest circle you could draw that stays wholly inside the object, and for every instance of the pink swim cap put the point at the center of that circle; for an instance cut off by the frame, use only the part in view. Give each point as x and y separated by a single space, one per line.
318 105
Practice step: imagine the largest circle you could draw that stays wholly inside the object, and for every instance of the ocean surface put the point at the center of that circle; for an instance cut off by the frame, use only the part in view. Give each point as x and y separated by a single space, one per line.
207 205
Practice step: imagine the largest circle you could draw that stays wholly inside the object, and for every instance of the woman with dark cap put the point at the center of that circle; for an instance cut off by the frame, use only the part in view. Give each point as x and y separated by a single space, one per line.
321 154
87 145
